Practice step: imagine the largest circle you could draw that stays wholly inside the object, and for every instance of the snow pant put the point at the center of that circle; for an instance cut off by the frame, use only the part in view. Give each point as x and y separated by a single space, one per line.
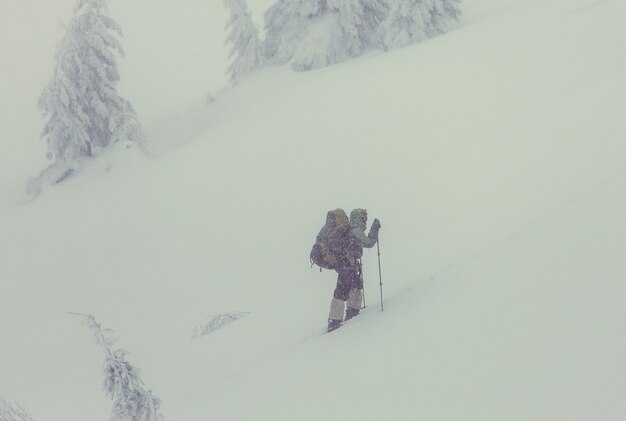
349 289
348 278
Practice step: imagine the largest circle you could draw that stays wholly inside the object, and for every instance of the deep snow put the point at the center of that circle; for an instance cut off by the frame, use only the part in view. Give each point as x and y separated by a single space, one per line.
493 155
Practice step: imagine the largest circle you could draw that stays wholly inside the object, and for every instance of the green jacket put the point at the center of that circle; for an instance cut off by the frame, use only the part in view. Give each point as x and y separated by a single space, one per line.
358 239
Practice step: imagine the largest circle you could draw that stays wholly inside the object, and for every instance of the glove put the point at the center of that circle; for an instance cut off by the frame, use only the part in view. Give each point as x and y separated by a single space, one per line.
376 224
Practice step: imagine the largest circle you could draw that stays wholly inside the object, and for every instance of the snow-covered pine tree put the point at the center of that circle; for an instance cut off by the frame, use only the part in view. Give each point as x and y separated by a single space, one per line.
346 29
286 23
318 33
412 21
122 381
84 112
12 411
442 14
246 51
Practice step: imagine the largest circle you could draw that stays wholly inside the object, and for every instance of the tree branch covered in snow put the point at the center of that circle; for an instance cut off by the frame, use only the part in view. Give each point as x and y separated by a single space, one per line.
12 411
122 381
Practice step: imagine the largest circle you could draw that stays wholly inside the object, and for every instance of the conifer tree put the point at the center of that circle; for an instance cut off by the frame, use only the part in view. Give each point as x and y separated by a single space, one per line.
84 112
246 51
122 381
318 33
412 21
286 23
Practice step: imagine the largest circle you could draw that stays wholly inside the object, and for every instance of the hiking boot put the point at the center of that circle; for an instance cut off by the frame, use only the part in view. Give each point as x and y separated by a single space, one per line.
333 325
335 317
351 312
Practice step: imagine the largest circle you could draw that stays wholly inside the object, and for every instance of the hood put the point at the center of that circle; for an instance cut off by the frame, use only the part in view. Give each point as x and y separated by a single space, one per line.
336 218
357 218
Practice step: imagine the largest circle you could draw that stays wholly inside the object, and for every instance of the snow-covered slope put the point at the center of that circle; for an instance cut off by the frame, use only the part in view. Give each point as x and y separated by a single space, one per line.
493 155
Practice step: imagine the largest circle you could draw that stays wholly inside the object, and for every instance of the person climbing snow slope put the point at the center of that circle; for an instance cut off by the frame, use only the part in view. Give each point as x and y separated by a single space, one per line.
349 290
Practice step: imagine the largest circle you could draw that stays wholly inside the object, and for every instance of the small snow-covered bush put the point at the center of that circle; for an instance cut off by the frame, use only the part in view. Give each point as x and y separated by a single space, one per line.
216 322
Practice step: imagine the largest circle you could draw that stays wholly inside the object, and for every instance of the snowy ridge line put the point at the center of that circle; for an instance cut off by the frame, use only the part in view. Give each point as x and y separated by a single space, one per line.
586 7
526 227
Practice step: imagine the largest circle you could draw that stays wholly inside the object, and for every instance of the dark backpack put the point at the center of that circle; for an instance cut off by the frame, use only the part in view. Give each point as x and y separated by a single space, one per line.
329 250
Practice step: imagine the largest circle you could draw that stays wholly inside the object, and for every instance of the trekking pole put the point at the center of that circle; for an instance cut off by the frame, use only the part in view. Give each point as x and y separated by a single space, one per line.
380 276
362 283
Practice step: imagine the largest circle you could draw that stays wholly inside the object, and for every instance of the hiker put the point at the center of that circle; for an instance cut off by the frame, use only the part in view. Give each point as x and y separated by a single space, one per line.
349 272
